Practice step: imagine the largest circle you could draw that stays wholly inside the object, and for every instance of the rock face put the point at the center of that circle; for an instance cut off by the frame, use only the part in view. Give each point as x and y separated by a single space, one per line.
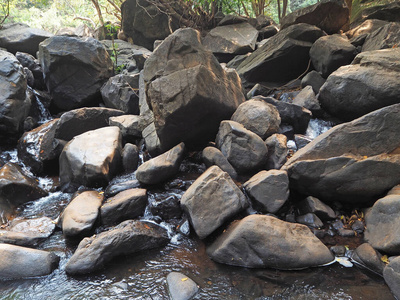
237 38
20 262
260 241
212 200
92 158
369 83
185 85
22 38
126 238
352 162
330 16
283 57
245 150
162 167
385 37
80 215
181 287
74 70
259 117
391 274
14 100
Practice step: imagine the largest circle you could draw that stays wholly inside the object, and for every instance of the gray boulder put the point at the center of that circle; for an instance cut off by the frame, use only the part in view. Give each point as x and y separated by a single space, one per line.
74 70
314 79
131 126
367 257
391 274
162 167
92 158
213 156
259 117
20 262
387 36
130 157
307 99
115 188
317 207
259 241
357 89
126 238
212 200
310 220
128 204
181 287
268 190
277 151
245 150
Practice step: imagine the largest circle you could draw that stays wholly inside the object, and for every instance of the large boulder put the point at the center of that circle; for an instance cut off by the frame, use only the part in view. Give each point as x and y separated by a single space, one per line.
20 262
245 150
355 162
92 158
283 57
259 241
185 85
212 200
369 83
368 26
386 12
385 37
126 238
391 274
20 37
14 100
329 15
74 70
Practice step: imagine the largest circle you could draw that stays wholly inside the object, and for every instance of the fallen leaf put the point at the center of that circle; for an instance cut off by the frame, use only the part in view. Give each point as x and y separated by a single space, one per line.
184 279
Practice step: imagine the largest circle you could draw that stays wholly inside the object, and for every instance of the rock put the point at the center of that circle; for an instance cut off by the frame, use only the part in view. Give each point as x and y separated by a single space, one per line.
317 207
128 237
277 151
357 89
181 287
257 90
80 215
162 167
212 200
232 19
185 85
268 190
128 204
314 79
367 257
130 157
32 64
259 117
388 12
391 274
14 99
307 99
92 158
283 57
368 26
115 188
358 226
351 162
237 60
382 223
131 126
310 220
329 15
74 70
328 53
213 156
267 32
81 120
394 191
20 37
20 262
82 31
301 141
387 36
259 241
245 150
167 208
238 38
121 92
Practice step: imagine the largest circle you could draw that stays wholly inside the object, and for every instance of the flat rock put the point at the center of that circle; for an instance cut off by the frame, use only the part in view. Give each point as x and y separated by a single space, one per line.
387 36
130 125
181 287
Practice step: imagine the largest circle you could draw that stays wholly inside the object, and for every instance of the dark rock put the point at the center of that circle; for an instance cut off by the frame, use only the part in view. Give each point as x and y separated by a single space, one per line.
346 232
131 126
115 188
314 79
301 141
126 238
338 250
277 151
74 70
259 90
387 36
307 99
128 204
391 274
310 220
213 156
337 225
28 61
237 60
181 287
267 32
317 207
358 226
232 19
388 12
367 257
260 241
130 157
168 208
368 26
212 200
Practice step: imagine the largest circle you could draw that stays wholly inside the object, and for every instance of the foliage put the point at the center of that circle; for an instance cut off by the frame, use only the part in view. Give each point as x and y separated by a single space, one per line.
5 10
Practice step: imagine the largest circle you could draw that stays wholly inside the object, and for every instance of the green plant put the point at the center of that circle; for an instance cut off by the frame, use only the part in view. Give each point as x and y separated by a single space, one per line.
5 7
112 29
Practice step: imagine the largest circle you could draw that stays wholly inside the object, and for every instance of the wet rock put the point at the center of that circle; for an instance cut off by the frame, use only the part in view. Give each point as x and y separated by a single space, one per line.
277 151
128 204
20 262
80 215
115 188
391 274
283 57
245 150
126 238
268 190
358 226
181 287
212 200
74 70
14 99
213 156
310 220
130 125
259 117
387 36
357 89
185 85
20 37
307 99
162 167
314 79
238 38
314 205
260 241
92 158
130 157
368 26
32 64
367 257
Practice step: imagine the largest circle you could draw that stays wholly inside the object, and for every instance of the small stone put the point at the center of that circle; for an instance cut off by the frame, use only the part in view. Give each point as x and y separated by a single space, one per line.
181 287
